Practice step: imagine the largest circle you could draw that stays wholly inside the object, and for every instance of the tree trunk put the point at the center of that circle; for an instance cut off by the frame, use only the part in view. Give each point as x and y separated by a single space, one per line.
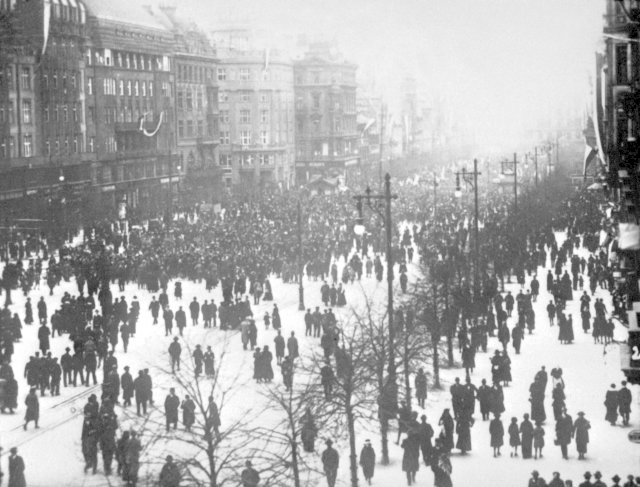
353 457
384 437
407 372
294 461
436 365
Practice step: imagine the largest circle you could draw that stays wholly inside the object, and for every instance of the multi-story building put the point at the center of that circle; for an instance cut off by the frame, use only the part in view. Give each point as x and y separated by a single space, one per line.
130 107
42 131
618 131
256 117
196 108
326 125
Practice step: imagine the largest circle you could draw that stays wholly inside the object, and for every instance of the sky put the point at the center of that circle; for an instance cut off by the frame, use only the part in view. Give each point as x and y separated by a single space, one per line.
498 64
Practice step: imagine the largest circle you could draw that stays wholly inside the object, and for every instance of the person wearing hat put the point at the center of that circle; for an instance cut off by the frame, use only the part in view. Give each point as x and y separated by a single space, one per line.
66 362
581 429
170 474
624 403
598 482
249 476
368 461
616 480
33 408
587 482
174 352
171 405
536 480
611 403
496 430
126 382
629 482
556 481
16 469
330 463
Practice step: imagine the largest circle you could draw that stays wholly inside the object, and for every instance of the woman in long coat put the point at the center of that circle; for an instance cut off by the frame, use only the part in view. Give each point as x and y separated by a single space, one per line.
28 312
514 437
526 435
463 428
267 368
410 460
368 461
16 470
581 427
538 440
446 421
496 430
33 408
558 401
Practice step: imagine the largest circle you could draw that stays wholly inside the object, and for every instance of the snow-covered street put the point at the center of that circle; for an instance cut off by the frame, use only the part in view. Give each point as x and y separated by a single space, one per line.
53 455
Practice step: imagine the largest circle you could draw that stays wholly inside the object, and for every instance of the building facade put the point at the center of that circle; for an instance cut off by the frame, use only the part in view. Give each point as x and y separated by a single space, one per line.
43 170
326 122
195 70
256 117
130 108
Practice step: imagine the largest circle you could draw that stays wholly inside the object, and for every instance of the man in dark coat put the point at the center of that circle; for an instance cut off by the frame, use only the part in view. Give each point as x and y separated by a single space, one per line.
368 461
154 306
496 430
16 469
330 463
624 403
249 476
484 397
171 405
43 336
107 432
194 311
611 403
174 352
526 434
66 362
564 433
581 428
126 382
292 346
170 474
140 389
33 408
279 346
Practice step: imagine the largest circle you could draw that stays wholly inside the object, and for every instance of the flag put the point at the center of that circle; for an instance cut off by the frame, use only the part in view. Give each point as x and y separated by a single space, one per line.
589 155
45 23
144 130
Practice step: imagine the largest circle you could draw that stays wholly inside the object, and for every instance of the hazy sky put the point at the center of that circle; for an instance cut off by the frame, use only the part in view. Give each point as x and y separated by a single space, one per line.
498 63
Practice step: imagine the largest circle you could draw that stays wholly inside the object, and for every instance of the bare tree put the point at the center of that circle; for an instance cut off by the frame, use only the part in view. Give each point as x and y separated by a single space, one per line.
211 452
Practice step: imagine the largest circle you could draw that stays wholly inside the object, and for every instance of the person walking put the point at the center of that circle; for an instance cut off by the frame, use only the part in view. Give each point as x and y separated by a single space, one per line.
368 461
171 405
624 403
16 469
564 433
526 435
611 403
514 437
538 440
249 476
170 473
410 460
330 463
496 430
421 387
33 409
581 428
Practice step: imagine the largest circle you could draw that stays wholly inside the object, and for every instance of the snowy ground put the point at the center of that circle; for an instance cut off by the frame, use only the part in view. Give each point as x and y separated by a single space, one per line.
53 457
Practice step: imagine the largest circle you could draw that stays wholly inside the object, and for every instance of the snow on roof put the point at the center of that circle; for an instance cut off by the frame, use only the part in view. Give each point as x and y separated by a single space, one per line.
125 11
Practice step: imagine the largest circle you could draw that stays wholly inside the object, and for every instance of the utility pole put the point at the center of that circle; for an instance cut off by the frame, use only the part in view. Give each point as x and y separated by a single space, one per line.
389 399
535 161
300 262
471 178
381 151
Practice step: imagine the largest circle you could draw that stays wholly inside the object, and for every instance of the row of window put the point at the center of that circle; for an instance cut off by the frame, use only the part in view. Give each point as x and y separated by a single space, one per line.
245 96
111 86
68 145
7 78
226 160
245 137
62 113
8 148
325 77
189 128
126 60
185 99
61 78
193 74
248 74
73 12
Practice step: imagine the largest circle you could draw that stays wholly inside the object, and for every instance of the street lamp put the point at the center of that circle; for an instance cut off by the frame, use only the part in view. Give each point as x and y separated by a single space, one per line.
507 172
471 179
300 262
390 388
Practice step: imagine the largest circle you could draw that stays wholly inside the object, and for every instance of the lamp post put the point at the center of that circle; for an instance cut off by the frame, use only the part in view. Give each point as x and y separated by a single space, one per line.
389 398
503 173
300 262
471 178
